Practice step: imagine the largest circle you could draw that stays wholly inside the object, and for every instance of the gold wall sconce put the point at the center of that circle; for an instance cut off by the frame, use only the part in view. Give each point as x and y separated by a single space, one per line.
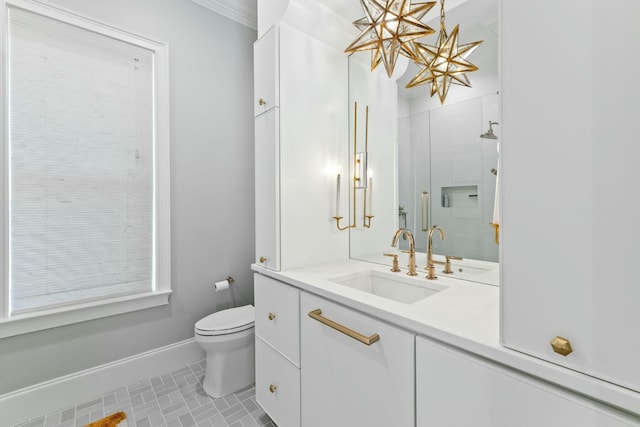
362 180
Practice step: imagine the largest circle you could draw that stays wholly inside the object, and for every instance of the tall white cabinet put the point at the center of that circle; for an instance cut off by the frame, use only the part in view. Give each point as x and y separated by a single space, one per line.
570 183
267 149
300 108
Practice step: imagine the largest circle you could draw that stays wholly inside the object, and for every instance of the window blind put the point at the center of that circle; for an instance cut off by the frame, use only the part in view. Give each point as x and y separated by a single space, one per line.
81 164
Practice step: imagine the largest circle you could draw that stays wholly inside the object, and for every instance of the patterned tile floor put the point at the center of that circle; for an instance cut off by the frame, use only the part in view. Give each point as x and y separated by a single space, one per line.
172 400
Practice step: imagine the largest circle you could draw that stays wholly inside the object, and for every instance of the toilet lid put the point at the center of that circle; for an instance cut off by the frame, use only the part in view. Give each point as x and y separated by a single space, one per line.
227 321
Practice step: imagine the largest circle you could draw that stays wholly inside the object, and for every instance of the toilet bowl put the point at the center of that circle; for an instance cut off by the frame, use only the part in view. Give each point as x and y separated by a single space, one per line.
228 339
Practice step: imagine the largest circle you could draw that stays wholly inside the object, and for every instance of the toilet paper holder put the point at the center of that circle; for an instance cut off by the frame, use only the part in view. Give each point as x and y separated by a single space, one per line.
223 284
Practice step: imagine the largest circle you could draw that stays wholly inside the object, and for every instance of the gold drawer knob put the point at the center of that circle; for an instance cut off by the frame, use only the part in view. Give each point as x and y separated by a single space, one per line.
263 259
272 388
261 101
272 316
561 346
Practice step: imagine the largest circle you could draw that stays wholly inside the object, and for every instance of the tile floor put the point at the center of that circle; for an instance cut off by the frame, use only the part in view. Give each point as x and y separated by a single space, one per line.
175 399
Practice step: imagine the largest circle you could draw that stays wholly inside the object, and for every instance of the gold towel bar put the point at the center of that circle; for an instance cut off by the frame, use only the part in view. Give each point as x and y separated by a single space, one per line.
317 315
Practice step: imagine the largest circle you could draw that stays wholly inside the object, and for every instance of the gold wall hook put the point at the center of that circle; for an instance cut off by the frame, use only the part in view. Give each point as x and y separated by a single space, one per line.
561 346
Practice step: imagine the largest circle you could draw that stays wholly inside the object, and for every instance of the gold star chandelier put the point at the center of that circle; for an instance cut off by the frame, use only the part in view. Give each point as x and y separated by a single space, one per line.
392 27
388 28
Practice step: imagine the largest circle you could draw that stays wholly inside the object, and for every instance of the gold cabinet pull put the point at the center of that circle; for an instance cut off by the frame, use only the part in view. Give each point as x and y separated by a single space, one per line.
272 388
263 259
561 346
272 316
261 101
368 340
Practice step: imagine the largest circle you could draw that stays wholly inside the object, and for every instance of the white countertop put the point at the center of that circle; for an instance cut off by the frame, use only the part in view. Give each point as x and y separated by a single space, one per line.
465 315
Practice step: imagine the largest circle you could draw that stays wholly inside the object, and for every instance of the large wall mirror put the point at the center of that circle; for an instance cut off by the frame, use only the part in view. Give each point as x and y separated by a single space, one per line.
429 162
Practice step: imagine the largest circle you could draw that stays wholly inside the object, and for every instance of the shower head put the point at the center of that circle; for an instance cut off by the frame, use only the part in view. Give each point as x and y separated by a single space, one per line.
489 134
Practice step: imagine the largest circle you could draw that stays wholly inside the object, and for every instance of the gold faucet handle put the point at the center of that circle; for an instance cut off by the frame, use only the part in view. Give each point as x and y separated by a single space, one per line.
446 263
394 268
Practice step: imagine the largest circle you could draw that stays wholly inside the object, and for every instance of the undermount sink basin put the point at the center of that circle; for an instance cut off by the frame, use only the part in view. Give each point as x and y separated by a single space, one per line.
394 286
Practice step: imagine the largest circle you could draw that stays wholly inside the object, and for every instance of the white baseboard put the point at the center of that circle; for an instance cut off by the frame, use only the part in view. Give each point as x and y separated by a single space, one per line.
63 392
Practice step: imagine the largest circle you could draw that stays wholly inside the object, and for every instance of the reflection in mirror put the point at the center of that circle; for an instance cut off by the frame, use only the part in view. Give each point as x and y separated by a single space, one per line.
445 173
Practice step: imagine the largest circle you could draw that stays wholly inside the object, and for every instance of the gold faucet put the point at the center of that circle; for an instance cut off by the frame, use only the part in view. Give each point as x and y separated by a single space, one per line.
431 269
412 249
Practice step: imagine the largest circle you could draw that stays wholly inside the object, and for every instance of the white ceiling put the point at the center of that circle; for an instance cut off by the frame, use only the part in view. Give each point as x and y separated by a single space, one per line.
242 11
245 11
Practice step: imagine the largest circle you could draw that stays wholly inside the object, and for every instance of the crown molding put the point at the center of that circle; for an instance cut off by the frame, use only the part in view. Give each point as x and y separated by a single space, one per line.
242 11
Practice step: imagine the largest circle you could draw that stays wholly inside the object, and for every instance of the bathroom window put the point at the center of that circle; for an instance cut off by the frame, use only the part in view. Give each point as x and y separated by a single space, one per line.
86 227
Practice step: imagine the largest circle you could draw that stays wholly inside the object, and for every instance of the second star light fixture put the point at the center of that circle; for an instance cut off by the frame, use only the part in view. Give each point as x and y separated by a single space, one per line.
445 63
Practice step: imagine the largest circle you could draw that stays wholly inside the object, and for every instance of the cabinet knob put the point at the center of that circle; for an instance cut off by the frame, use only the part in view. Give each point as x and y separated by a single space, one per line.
272 316
272 388
561 346
263 259
261 101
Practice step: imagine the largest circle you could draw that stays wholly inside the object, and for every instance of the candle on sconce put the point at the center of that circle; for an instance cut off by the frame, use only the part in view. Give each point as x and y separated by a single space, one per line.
370 198
338 196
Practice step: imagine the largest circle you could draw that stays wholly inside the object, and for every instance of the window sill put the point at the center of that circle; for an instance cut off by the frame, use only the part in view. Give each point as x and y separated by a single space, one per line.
25 323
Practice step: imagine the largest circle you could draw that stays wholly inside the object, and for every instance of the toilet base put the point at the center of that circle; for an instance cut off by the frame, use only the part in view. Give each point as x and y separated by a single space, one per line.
231 370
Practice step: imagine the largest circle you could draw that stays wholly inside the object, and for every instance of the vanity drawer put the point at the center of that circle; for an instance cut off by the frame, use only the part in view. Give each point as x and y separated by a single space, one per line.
277 386
347 382
277 308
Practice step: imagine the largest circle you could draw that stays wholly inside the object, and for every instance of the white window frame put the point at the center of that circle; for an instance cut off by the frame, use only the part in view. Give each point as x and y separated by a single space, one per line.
50 318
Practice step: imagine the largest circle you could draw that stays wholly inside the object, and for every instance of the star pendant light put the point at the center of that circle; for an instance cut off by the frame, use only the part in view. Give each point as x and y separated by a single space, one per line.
445 63
388 29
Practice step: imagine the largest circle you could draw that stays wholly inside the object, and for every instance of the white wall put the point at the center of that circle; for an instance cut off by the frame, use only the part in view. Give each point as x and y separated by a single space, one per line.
211 69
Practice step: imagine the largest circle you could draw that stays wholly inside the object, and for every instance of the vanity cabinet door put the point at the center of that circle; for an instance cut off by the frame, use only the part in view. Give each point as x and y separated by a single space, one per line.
570 211
456 389
278 316
277 386
267 188
266 72
346 383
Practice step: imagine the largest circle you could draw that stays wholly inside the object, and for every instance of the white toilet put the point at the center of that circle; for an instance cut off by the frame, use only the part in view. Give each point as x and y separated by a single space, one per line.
228 339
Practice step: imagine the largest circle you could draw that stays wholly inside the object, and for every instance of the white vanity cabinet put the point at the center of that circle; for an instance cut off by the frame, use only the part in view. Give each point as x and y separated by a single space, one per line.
457 389
570 214
346 383
277 329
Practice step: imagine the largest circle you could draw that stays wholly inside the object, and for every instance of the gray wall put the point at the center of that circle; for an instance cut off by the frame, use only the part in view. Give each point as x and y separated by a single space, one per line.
212 190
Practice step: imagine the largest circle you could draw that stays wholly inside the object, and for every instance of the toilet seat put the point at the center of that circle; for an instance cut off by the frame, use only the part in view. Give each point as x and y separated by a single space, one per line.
227 321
